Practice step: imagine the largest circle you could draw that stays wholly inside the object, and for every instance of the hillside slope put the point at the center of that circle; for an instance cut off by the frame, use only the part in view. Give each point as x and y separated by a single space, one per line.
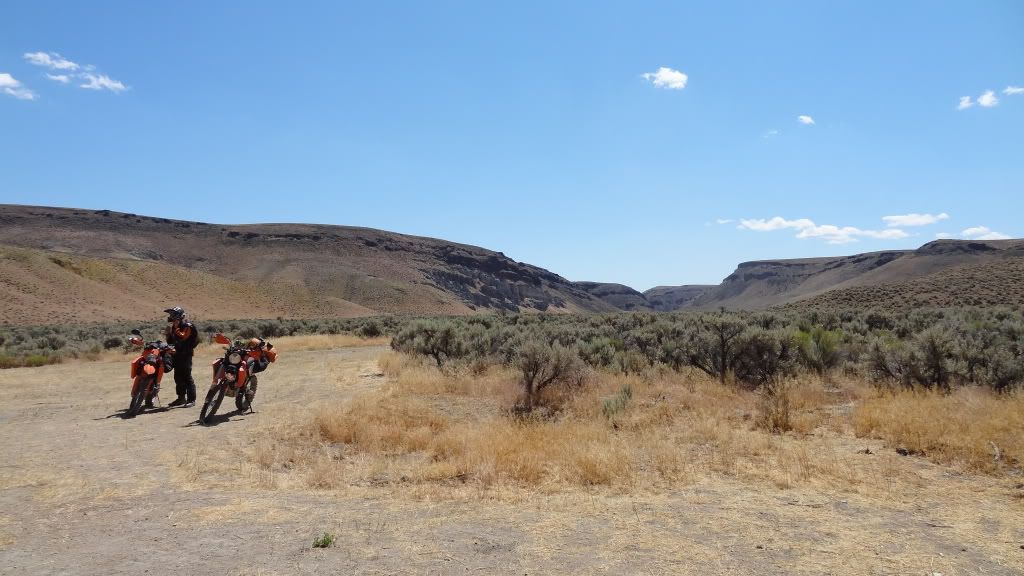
288 269
763 284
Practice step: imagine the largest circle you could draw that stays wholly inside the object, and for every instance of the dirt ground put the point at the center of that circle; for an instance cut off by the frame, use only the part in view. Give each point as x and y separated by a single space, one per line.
83 491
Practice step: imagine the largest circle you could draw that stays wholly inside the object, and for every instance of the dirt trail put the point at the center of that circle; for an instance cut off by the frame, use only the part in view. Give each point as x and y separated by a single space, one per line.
83 491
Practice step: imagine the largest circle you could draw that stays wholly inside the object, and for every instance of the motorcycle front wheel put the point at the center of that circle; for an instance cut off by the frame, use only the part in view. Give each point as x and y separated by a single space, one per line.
137 400
212 403
243 400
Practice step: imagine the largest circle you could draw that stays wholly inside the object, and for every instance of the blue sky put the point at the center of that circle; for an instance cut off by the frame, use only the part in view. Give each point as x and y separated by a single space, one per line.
546 130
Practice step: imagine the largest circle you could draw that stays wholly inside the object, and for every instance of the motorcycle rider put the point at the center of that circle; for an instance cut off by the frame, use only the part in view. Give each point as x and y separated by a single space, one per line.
182 334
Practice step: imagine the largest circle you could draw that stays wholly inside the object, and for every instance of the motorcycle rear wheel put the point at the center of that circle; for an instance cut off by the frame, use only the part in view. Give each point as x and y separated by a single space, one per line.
212 403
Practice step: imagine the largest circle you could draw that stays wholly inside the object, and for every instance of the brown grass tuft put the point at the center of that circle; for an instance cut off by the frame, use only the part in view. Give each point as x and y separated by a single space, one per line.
970 427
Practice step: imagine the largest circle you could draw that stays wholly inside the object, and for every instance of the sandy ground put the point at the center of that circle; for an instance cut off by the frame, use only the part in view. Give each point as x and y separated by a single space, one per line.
83 491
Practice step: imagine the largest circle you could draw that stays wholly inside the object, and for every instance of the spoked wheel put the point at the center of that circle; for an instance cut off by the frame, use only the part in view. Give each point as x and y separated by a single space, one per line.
243 399
212 403
137 400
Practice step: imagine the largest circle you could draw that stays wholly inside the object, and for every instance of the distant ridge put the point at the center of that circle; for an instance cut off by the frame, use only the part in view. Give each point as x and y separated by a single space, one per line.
65 265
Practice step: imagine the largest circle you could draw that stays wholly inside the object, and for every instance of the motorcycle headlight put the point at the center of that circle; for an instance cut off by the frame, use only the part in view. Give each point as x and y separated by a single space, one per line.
234 358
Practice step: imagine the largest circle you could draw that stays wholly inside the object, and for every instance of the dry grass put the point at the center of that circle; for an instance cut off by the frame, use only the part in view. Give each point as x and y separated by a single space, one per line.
971 427
454 428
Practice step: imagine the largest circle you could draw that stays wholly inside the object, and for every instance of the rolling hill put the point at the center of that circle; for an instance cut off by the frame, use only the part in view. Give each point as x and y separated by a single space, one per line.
60 265
78 265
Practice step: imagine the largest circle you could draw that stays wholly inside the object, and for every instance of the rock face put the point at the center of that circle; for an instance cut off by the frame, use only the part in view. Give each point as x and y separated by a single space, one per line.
617 295
763 284
671 298
309 270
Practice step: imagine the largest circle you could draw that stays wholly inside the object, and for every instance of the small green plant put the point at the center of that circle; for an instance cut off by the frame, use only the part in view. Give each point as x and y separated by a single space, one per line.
325 540
617 403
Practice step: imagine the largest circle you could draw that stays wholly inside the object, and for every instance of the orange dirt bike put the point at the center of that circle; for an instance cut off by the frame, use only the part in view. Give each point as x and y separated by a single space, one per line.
233 376
147 371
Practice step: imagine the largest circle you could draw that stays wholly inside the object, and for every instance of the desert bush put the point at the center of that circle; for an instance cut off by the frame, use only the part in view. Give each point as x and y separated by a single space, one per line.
114 342
818 348
542 366
711 344
438 340
617 403
762 357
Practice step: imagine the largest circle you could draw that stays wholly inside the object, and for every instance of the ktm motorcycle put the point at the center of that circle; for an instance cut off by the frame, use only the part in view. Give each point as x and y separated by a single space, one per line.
233 377
148 370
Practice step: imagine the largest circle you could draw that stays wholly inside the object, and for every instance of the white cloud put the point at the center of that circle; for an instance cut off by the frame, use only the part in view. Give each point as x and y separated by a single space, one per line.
805 120
770 133
965 103
667 78
827 232
724 221
943 235
1013 90
101 82
50 60
11 87
91 81
914 219
983 233
988 99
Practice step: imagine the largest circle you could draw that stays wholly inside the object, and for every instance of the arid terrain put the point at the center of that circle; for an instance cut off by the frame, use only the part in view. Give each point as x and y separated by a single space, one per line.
83 491
69 266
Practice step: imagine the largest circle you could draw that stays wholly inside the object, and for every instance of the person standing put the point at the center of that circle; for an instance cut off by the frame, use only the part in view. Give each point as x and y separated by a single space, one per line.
183 335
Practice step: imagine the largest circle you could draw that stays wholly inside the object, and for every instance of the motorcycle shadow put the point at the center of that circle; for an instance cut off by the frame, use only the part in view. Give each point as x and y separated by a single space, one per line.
123 413
218 419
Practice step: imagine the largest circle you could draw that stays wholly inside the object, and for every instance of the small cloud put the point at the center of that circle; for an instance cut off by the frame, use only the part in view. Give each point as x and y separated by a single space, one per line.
50 60
1013 90
943 235
914 219
667 78
827 232
965 103
983 233
988 99
770 133
101 82
724 221
805 120
62 78
10 86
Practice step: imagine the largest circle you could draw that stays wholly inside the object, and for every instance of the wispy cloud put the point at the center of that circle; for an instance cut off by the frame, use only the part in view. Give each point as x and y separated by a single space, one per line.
12 87
965 103
944 235
914 219
806 228
724 221
805 120
101 82
770 133
1013 90
667 78
50 60
988 99
983 233
89 79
